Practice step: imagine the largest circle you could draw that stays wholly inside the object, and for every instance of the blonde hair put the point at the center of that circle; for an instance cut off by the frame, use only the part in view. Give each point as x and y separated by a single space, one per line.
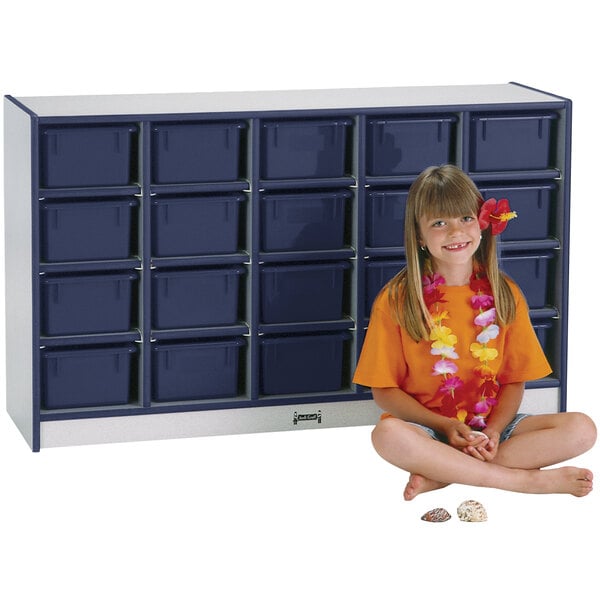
445 192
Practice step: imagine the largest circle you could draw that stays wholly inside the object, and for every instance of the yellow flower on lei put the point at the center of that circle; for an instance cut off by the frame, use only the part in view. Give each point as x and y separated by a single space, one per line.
483 353
442 336
438 317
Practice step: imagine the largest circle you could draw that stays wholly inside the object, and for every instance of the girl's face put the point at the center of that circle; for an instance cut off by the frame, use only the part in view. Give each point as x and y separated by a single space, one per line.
451 241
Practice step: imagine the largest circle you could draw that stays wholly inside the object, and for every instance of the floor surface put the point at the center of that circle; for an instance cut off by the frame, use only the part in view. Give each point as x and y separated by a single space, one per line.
277 515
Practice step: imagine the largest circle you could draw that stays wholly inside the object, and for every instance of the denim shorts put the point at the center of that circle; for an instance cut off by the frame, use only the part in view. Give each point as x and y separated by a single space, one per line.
503 436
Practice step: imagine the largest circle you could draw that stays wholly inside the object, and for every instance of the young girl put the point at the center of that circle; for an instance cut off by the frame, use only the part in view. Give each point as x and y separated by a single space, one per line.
448 351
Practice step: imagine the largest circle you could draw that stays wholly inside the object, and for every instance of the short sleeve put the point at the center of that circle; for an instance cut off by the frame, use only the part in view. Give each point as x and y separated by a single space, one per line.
523 358
382 363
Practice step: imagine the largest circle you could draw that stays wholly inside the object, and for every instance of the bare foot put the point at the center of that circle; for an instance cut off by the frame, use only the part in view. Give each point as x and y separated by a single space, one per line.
566 480
417 484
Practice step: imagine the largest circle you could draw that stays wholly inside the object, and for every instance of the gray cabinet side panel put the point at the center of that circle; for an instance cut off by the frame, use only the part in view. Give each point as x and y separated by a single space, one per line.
17 225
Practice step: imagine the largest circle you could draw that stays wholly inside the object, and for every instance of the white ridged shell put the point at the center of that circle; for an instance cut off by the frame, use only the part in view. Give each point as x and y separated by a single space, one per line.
472 511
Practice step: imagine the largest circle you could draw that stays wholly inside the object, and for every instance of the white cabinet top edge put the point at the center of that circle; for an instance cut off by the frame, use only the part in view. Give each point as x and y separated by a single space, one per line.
283 100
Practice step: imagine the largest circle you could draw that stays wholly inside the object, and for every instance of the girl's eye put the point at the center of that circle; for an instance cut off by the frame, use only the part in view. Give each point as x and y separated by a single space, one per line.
468 218
438 223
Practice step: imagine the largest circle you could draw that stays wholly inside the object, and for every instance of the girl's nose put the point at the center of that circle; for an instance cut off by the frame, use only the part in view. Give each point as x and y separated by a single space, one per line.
454 227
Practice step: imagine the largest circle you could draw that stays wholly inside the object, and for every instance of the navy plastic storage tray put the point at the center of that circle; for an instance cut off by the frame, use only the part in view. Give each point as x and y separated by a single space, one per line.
86 156
188 226
302 364
302 292
543 330
196 152
385 218
86 377
83 304
407 145
195 297
196 371
379 272
530 271
304 148
532 203
505 142
90 230
308 221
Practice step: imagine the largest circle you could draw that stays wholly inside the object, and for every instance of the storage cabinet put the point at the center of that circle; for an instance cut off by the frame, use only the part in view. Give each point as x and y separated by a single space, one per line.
197 264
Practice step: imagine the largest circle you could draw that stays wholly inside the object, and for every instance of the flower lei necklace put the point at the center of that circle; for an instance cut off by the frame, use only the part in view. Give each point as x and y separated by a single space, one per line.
472 411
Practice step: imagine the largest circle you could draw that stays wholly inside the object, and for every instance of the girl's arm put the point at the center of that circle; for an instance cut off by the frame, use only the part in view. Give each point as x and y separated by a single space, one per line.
403 406
509 400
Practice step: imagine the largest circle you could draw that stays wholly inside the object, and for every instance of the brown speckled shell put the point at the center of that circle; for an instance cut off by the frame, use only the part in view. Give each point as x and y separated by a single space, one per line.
472 511
436 515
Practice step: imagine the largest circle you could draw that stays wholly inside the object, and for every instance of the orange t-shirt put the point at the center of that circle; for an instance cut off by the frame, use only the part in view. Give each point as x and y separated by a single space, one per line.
391 358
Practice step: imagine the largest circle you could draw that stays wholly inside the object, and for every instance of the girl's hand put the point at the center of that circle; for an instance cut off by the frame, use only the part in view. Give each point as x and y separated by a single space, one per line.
461 436
488 450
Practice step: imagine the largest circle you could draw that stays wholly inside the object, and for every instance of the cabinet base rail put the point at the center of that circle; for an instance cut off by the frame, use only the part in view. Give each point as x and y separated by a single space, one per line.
239 421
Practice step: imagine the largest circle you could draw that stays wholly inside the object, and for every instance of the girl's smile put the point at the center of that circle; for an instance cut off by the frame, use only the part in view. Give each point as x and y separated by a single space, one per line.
451 242
456 246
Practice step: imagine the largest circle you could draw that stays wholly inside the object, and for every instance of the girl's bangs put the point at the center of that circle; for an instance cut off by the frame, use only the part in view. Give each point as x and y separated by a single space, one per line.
447 203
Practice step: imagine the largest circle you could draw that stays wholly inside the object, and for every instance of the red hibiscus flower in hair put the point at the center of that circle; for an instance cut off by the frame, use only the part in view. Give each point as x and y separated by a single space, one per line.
496 213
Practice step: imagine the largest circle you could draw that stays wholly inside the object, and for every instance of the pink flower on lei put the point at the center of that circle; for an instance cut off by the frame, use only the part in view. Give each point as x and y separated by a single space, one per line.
482 301
450 384
478 422
444 367
486 318
430 283
485 404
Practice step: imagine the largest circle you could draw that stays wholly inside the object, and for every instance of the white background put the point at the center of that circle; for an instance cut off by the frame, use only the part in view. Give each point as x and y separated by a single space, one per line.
302 514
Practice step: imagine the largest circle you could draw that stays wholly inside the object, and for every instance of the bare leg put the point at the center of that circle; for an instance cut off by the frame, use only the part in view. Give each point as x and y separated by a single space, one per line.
402 445
544 440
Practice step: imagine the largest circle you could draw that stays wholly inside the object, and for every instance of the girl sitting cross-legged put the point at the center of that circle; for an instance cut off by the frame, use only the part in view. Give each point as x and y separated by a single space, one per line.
448 350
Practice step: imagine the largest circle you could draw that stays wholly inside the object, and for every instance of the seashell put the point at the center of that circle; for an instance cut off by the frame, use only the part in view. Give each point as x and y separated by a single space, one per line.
472 511
436 515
